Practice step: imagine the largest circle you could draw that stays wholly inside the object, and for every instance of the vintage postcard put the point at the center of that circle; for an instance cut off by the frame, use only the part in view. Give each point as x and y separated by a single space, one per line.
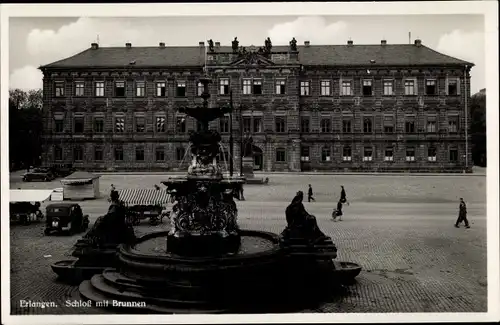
256 162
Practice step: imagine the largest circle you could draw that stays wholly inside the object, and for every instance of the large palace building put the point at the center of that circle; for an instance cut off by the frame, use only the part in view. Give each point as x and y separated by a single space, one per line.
381 107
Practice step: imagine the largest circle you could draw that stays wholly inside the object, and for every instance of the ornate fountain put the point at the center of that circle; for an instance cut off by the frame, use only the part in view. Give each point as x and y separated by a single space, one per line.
204 219
205 263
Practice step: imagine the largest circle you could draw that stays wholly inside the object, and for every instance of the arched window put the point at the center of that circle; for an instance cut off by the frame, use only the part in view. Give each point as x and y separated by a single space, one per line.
367 125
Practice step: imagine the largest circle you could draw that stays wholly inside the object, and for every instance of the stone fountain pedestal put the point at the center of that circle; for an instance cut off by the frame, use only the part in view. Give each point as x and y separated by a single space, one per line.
248 173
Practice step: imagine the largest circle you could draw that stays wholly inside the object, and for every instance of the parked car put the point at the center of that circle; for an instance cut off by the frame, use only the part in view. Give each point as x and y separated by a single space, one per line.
62 170
41 174
65 217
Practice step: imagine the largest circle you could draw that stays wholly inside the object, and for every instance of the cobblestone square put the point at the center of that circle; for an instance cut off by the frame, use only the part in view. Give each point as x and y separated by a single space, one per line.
398 228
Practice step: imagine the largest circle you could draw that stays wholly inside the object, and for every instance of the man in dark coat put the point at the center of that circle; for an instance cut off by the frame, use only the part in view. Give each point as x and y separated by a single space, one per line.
310 194
462 214
338 211
343 196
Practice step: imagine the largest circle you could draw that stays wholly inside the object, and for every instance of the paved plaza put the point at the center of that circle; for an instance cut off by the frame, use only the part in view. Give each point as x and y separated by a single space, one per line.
398 228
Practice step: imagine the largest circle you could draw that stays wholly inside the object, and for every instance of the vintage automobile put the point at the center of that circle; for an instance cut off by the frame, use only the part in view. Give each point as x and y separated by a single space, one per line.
62 170
41 174
65 217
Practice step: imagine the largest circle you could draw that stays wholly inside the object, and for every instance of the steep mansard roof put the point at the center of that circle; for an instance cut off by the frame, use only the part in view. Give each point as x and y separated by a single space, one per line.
314 55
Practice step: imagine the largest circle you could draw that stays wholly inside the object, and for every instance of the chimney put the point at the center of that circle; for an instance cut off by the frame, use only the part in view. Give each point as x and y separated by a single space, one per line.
128 45
217 45
418 42
307 43
349 42
94 46
383 42
201 44
162 45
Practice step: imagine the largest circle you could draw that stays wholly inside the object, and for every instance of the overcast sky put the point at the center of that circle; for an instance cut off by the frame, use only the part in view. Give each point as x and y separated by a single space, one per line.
38 41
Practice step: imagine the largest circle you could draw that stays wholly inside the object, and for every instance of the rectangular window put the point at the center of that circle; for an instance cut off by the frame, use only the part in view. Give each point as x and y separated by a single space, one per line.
247 123
181 89
120 89
389 154
367 88
79 125
410 89
280 125
326 155
325 87
410 154
200 88
410 125
199 126
180 125
78 153
140 88
257 87
280 155
247 86
257 124
161 89
140 124
180 152
99 125
98 154
280 87
224 124
453 155
304 124
160 124
79 88
452 87
58 153
346 154
59 126
431 126
367 125
224 87
430 87
118 154
139 154
304 88
305 154
346 88
99 89
368 154
119 124
388 88
453 124
59 89
346 126
388 124
326 125
431 154
160 154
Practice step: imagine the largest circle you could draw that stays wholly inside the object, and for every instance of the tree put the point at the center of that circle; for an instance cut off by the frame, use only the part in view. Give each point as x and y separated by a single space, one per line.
478 128
25 127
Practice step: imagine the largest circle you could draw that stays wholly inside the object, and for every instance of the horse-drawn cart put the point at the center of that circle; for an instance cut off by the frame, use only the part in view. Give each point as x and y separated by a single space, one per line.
145 204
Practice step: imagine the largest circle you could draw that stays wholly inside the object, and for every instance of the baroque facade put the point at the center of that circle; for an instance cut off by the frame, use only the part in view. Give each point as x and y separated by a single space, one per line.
381 107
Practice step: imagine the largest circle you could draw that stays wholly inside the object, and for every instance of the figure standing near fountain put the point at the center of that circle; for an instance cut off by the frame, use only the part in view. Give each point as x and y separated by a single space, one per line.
310 194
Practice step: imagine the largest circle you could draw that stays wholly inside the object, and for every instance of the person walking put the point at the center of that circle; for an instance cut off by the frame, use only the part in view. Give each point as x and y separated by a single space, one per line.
338 211
310 194
111 190
462 214
343 196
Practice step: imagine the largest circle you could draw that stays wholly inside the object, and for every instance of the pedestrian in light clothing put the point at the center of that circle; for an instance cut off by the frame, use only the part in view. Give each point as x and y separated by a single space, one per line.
462 214
310 194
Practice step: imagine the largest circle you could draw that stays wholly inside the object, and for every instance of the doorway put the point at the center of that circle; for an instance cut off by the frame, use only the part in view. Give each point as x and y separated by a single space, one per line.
258 160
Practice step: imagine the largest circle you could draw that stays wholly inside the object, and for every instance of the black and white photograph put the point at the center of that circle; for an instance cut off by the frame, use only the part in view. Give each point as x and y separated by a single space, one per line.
258 162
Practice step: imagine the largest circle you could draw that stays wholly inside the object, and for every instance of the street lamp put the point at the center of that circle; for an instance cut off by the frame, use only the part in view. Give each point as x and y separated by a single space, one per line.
231 140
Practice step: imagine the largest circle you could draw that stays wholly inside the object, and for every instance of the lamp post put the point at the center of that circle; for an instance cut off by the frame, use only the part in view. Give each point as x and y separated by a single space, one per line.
231 140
